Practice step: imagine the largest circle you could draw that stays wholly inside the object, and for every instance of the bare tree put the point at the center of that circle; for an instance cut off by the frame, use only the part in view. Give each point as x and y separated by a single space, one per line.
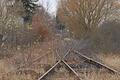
115 13
82 16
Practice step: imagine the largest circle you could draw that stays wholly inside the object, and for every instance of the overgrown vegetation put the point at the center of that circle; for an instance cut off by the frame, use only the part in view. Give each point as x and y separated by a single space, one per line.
34 38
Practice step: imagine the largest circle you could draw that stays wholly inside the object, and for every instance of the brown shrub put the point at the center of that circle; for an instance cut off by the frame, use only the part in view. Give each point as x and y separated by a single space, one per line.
41 23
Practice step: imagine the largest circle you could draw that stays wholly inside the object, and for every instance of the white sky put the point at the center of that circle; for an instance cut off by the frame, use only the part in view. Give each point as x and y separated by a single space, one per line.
50 5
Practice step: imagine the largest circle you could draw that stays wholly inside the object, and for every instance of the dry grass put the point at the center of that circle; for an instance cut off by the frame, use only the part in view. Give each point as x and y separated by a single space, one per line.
111 59
101 76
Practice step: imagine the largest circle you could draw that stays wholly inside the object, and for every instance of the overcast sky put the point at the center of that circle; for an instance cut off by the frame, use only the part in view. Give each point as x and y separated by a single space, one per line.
51 5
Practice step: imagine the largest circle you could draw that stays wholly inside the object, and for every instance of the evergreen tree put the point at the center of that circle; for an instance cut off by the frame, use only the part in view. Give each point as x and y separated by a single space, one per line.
29 6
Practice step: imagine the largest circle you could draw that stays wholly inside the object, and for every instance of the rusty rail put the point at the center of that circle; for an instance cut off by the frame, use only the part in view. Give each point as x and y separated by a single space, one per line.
99 63
72 70
49 70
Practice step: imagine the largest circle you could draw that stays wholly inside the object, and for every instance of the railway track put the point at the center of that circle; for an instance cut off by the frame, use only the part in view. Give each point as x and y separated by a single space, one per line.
70 68
62 60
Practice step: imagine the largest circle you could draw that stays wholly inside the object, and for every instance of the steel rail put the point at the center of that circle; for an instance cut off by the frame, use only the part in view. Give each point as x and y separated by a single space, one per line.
49 70
99 63
72 70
